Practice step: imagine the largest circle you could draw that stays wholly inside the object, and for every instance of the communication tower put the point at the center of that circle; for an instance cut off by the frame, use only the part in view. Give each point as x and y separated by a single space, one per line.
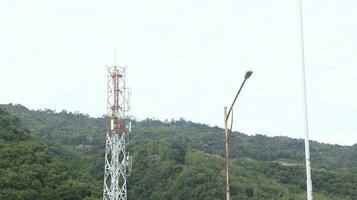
117 159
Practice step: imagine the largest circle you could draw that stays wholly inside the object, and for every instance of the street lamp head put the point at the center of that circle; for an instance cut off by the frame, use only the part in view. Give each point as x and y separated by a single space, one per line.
248 74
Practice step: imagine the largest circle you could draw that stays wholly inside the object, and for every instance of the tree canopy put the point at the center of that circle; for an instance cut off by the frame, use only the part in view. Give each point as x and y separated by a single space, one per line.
60 155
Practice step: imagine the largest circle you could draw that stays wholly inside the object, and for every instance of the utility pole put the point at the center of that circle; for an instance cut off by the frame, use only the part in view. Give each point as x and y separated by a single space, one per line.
227 134
226 153
309 192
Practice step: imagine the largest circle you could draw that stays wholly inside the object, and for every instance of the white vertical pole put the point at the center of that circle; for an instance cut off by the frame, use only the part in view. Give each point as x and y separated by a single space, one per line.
306 124
228 187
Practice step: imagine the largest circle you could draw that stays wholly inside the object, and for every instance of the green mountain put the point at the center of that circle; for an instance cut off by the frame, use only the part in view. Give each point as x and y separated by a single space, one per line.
32 169
171 160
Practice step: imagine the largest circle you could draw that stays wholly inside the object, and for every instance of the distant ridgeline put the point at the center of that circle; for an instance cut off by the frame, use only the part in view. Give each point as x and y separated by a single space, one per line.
59 155
33 169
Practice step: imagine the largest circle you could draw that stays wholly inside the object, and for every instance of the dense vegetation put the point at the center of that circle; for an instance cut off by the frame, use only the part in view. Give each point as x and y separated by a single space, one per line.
59 155
31 169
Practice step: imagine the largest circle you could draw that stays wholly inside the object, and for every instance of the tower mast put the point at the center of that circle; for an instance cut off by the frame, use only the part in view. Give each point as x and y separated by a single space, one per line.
117 159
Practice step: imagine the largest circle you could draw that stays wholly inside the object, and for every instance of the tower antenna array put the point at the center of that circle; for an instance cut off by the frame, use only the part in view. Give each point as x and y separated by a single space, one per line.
117 159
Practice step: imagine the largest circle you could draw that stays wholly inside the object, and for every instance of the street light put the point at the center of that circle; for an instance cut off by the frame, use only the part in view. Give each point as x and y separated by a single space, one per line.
227 134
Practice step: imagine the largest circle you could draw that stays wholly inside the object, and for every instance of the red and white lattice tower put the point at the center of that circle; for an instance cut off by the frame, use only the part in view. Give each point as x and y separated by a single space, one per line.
117 159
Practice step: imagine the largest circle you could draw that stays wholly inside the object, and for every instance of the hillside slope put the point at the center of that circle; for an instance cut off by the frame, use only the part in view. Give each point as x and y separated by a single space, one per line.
182 160
31 169
83 131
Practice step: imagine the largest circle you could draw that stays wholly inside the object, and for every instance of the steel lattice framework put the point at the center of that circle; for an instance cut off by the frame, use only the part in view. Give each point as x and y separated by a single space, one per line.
117 160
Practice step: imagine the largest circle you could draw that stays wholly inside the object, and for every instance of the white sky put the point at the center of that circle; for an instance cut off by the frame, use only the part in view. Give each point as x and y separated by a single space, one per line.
187 59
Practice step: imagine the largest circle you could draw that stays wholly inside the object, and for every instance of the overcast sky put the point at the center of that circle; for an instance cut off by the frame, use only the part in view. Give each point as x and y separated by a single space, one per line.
187 59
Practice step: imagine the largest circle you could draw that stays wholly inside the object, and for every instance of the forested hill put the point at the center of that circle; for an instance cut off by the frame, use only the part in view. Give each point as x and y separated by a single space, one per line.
172 160
82 131
33 170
